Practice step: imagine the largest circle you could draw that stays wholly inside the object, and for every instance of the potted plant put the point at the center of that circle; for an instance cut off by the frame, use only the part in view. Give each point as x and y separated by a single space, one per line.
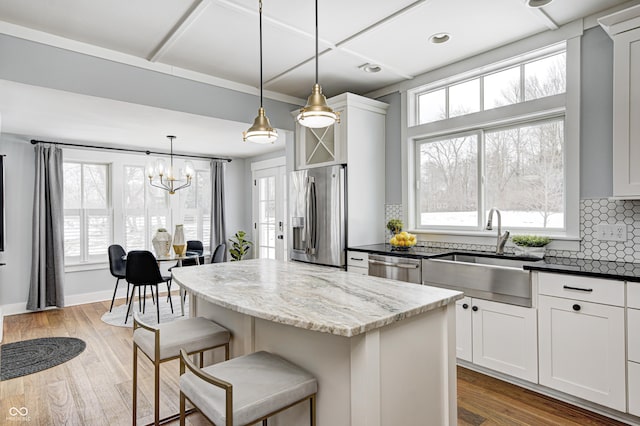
395 226
530 245
239 246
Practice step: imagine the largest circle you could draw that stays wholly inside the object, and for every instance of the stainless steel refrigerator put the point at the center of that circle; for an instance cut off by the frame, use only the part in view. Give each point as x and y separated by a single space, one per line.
318 215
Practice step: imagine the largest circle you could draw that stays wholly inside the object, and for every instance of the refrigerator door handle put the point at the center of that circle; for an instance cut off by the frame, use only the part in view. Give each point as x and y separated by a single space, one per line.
312 216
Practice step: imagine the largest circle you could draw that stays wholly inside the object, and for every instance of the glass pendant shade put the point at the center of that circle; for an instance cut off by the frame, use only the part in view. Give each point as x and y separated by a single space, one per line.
261 131
317 113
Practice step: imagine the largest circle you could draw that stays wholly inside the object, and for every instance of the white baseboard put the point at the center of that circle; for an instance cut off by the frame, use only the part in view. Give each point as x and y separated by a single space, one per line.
70 300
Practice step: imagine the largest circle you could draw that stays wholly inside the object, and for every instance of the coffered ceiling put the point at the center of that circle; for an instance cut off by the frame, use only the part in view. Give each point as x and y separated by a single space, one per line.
219 38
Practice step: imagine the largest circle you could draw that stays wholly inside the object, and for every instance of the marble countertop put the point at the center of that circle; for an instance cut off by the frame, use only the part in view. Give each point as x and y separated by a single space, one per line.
312 297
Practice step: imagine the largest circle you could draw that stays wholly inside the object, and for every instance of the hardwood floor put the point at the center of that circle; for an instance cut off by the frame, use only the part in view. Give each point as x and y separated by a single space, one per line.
95 387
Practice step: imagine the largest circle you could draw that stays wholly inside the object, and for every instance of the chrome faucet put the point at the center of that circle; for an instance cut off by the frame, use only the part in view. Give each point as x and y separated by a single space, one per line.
502 238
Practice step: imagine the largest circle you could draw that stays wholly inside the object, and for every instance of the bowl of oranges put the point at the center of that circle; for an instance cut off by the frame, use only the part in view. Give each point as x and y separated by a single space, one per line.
403 241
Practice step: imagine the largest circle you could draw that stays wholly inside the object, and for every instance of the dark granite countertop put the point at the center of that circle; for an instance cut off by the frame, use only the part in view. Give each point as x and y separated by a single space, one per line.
588 267
560 265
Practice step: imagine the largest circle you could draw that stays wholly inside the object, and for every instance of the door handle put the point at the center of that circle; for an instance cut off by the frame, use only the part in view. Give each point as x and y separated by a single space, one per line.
281 237
312 219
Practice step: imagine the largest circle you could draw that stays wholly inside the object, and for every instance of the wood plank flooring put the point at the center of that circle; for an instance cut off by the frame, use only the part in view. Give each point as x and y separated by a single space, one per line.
95 387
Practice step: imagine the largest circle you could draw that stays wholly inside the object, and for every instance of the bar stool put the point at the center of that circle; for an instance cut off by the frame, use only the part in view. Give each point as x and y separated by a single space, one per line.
246 389
163 343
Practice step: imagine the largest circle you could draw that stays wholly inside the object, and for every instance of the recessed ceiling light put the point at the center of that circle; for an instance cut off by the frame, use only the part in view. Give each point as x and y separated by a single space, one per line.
538 3
439 38
370 68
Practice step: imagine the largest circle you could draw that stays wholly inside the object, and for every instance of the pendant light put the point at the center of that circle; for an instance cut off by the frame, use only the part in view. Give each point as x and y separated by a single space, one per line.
317 113
261 131
166 177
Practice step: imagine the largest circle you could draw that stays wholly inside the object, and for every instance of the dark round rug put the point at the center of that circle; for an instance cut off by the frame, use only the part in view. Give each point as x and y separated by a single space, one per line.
30 356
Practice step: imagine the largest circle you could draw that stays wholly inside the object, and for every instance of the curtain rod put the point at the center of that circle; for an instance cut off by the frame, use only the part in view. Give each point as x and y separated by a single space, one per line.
140 151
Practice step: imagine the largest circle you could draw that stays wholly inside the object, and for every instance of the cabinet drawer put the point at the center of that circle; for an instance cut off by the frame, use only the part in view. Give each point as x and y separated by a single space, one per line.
358 270
633 334
633 295
597 290
634 388
358 259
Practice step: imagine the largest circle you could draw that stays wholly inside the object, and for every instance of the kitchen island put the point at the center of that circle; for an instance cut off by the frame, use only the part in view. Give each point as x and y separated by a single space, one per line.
383 351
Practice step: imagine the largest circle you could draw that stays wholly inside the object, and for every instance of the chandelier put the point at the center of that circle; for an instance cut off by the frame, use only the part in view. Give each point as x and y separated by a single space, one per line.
317 113
166 179
261 131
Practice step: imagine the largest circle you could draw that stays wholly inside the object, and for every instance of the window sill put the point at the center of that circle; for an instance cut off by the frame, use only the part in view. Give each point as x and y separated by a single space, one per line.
559 242
89 266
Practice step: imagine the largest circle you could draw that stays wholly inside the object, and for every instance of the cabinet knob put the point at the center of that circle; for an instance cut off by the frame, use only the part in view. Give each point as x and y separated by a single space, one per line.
465 305
576 307
474 309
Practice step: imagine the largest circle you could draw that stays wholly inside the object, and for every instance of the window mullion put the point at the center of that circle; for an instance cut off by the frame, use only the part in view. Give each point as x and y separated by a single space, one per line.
481 180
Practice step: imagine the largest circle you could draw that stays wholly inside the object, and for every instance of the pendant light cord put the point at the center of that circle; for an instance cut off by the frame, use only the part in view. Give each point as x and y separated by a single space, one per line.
316 41
260 1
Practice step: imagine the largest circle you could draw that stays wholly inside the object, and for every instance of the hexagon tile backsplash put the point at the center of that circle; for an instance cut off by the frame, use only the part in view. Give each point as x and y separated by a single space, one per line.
593 212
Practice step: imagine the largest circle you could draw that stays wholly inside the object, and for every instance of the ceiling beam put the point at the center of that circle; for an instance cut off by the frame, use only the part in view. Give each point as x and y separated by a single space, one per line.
179 29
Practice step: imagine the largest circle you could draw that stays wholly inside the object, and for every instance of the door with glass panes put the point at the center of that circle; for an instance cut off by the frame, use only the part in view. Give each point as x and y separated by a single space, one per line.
269 213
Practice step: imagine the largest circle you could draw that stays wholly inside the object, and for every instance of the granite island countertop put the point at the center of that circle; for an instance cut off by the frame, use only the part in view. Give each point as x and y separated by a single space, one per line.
312 297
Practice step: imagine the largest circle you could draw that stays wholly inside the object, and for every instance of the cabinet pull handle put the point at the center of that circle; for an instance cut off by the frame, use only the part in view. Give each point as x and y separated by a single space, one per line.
576 307
588 290
474 309
357 258
465 306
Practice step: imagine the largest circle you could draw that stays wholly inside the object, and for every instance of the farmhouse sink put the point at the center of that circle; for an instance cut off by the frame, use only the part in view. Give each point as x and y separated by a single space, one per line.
500 279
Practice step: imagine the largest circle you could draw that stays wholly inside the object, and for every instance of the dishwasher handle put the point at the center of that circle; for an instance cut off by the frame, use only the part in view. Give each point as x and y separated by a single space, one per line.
395 265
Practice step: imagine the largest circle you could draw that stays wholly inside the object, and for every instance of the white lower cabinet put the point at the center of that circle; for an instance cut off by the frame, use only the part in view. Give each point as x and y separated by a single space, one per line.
498 336
634 388
582 349
358 262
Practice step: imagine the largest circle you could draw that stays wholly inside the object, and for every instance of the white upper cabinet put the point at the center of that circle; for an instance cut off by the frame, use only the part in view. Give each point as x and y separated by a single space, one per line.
624 29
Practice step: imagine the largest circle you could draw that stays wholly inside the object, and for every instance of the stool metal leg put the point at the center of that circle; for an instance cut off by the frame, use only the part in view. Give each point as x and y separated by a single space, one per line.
135 382
312 410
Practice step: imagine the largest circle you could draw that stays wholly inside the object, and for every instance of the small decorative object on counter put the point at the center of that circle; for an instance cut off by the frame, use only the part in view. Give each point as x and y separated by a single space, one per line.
239 246
530 245
161 242
403 241
179 243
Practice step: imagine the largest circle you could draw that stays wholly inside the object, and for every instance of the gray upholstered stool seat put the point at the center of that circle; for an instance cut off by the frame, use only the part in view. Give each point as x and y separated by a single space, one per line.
259 385
163 343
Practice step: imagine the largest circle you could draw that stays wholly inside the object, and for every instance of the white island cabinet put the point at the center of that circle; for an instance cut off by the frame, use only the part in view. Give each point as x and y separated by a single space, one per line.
383 351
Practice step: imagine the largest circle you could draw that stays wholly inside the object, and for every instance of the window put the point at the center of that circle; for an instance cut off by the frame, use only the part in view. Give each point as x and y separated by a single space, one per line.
87 212
519 170
530 80
197 211
493 137
146 208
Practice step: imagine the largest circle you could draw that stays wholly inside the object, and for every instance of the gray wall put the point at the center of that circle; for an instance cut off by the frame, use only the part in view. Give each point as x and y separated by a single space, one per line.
41 65
393 160
596 121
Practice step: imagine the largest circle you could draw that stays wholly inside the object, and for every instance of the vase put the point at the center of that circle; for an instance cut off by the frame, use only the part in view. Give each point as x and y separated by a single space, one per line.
179 243
161 243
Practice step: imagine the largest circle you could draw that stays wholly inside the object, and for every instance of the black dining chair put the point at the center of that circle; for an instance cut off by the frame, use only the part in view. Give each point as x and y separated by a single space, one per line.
143 270
117 266
218 253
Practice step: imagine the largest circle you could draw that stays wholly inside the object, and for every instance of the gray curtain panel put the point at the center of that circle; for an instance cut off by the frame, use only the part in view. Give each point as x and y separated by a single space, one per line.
47 253
218 222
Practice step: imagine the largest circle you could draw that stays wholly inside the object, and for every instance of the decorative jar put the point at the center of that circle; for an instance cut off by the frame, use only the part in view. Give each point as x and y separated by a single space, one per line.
161 242
179 243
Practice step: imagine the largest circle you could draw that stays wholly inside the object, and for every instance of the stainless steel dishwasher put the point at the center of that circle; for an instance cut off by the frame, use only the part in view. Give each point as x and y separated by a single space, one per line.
395 268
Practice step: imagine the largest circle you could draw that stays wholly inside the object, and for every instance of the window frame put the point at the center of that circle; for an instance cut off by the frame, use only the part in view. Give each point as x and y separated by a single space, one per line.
84 213
481 182
567 103
117 161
